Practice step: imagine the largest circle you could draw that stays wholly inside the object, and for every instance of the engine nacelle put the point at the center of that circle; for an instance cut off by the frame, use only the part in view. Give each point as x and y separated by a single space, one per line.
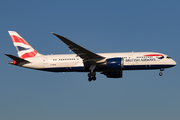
115 63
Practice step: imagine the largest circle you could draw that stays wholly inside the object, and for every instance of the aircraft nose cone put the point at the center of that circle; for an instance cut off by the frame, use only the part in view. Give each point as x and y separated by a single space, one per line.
174 63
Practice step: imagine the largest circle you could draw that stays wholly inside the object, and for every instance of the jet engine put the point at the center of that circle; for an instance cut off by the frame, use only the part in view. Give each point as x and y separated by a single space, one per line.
115 63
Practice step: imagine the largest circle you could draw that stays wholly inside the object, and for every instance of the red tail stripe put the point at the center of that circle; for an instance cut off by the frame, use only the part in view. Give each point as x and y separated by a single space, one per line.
30 54
18 39
153 55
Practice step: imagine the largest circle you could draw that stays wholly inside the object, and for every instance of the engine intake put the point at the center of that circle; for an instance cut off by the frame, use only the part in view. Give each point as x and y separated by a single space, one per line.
115 63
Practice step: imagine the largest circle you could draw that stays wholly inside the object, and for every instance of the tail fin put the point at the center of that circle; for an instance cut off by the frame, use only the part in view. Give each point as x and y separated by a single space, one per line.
23 48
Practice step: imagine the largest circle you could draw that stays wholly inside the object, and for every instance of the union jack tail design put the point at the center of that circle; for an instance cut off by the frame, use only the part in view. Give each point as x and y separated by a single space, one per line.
23 48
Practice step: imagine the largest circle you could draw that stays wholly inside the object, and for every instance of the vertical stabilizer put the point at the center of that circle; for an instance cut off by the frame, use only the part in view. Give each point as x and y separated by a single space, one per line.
23 48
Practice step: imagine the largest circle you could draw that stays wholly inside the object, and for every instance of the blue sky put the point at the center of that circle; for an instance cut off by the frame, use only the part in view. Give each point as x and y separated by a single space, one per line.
100 26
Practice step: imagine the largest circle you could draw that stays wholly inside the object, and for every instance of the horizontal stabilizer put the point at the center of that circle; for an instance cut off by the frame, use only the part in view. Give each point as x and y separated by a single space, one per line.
17 58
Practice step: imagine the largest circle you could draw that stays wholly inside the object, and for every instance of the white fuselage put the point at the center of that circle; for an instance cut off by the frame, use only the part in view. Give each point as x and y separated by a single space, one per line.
109 64
71 62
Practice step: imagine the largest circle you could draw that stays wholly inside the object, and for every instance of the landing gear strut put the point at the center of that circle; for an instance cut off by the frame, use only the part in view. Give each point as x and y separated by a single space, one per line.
92 74
160 73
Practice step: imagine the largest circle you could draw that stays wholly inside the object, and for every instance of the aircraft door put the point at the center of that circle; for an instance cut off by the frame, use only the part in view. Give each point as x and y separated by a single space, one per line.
45 61
78 61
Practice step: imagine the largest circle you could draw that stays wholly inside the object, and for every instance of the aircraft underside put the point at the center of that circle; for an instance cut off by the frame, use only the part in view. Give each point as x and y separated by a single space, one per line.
100 69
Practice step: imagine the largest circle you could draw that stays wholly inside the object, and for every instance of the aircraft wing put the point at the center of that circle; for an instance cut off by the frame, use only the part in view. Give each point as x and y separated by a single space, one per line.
85 54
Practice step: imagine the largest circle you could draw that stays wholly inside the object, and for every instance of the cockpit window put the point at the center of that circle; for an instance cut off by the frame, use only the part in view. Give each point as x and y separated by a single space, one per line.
168 57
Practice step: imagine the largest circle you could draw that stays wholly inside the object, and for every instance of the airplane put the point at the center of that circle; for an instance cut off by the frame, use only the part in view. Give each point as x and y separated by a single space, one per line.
110 64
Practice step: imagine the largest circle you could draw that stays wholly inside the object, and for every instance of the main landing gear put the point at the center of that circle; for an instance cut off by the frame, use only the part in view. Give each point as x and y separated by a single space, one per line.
92 74
160 73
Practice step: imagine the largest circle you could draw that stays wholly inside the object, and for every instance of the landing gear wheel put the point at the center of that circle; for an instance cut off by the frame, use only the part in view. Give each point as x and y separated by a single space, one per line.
92 74
94 78
89 75
89 79
160 74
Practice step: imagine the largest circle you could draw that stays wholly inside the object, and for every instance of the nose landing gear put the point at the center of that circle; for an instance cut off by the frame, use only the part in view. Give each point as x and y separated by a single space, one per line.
160 73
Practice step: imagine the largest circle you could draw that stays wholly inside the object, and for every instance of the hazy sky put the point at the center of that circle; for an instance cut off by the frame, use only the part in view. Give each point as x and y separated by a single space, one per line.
100 26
